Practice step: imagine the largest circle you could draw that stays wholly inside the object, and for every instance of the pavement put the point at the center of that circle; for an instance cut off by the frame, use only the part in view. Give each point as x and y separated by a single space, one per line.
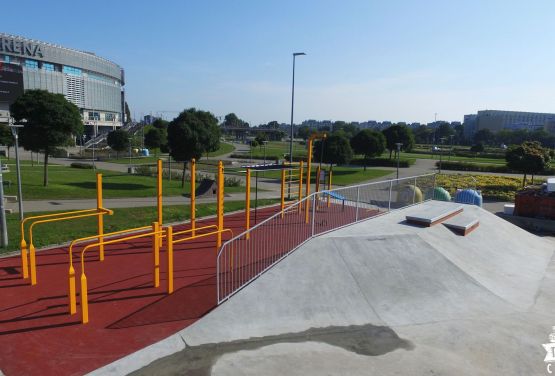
380 297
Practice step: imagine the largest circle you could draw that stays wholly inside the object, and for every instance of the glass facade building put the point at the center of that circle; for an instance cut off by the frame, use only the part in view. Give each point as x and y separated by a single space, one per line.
92 83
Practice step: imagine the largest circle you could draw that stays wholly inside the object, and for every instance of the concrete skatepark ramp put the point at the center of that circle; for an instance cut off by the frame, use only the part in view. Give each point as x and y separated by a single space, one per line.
381 297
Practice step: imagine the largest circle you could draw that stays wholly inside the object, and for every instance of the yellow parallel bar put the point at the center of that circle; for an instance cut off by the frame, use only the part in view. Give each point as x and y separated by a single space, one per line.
191 230
248 204
169 246
71 274
32 256
100 218
84 293
193 194
203 235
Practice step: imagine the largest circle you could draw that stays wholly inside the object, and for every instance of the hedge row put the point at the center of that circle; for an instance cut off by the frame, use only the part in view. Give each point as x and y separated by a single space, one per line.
384 162
480 167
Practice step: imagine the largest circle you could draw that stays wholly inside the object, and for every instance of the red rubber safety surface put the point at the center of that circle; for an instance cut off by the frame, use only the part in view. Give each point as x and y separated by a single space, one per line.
126 313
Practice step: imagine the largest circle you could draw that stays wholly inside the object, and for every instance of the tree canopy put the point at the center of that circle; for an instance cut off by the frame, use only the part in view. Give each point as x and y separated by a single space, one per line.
528 158
51 121
191 134
369 143
398 133
484 136
118 140
337 150
153 138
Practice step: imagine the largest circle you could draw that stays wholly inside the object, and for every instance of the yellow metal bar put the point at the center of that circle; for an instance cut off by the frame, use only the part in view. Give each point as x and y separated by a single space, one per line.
203 235
84 294
32 256
156 253
300 184
329 187
159 190
220 206
282 192
193 194
71 274
191 230
23 243
248 204
100 218
169 246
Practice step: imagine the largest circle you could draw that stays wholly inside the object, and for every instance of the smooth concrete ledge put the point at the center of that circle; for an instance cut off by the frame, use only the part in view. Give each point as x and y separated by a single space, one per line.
462 224
434 216
141 358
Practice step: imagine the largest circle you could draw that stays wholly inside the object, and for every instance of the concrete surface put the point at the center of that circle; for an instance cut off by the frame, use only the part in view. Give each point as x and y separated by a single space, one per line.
480 304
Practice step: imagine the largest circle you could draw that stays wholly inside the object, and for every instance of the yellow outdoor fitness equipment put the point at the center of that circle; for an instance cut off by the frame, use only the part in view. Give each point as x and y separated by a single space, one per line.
65 216
156 233
316 136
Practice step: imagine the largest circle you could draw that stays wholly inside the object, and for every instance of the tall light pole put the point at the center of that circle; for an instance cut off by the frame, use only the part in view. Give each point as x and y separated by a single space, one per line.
295 54
14 127
399 144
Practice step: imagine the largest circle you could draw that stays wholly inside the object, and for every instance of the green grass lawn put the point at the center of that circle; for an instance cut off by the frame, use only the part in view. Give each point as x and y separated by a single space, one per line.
225 148
61 232
73 183
276 149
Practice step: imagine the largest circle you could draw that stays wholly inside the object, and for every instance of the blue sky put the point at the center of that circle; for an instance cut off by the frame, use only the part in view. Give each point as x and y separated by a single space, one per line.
395 60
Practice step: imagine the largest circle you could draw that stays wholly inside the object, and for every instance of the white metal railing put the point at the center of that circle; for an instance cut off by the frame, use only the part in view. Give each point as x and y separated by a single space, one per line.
246 256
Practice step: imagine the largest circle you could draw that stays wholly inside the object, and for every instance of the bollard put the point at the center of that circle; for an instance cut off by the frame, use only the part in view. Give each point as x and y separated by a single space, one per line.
84 300
72 292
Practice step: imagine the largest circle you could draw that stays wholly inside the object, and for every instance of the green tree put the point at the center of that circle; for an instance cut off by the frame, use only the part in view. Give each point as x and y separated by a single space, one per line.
444 131
6 138
118 140
51 121
127 113
261 138
191 134
395 134
528 158
162 126
477 148
337 150
484 136
369 143
232 121
304 132
423 134
153 139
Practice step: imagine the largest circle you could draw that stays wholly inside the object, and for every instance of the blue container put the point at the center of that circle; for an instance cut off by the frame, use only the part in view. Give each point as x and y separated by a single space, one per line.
144 152
469 196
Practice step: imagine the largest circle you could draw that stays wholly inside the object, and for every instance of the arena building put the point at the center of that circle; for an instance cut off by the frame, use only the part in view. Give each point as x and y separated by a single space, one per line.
92 83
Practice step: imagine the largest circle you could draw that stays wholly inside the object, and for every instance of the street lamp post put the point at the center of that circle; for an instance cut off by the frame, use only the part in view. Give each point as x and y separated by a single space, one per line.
264 142
441 152
14 128
398 144
295 54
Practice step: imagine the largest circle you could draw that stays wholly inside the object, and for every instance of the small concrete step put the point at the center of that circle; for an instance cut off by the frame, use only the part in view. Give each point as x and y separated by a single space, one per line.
434 214
462 224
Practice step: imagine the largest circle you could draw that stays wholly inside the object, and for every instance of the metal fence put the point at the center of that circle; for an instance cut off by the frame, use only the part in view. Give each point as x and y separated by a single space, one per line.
246 256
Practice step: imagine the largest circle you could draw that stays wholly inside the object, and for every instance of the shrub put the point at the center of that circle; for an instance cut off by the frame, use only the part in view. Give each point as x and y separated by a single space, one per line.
81 165
384 162
482 167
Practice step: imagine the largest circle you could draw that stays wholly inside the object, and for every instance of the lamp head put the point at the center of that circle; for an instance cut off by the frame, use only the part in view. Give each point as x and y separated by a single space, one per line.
298 53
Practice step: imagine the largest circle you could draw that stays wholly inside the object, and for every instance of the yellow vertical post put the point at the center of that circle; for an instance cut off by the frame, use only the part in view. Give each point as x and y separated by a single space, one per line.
156 253
300 183
282 192
248 203
100 218
193 195
169 247
84 299
24 264
329 187
308 167
72 293
33 262
159 191
220 206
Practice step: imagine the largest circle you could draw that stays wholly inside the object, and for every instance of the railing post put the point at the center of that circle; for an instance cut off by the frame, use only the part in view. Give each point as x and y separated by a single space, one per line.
193 196
390 192
220 203
248 204
357 204
282 192
313 211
